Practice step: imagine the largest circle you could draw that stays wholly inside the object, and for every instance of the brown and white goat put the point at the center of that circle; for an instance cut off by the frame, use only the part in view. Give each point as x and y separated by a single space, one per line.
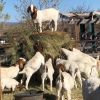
48 71
12 71
64 82
40 16
32 66
72 68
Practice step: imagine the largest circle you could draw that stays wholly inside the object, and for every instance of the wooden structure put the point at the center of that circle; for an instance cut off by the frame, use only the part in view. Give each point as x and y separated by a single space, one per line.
84 28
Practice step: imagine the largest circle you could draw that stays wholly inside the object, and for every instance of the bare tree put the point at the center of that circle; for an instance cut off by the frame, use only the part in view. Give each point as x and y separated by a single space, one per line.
49 3
3 16
81 9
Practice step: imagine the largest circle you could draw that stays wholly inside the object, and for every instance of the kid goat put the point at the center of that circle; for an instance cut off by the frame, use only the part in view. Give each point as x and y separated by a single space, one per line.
40 16
9 83
48 71
64 82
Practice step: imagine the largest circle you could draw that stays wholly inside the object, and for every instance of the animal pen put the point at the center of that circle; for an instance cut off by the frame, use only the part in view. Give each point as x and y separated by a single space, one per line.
85 29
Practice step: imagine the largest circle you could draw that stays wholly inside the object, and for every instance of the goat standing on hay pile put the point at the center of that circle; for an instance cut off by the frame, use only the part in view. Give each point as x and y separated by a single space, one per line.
40 16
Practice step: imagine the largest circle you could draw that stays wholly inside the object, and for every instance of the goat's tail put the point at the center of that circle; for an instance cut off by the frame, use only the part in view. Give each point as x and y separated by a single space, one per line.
63 16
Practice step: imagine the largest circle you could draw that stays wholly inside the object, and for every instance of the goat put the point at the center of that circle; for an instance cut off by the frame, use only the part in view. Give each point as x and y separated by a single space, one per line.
48 72
12 71
40 16
77 55
91 88
32 66
9 83
72 67
64 82
84 61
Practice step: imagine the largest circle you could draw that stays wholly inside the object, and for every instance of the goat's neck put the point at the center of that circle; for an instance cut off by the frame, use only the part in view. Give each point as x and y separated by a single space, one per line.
34 15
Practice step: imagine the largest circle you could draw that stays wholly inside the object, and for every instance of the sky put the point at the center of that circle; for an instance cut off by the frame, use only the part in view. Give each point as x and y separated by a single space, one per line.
64 6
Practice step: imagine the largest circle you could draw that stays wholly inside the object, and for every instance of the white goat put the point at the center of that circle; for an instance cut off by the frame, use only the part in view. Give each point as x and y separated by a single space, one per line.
40 16
32 66
72 67
91 88
77 55
12 72
64 82
48 72
84 61
9 83
86 68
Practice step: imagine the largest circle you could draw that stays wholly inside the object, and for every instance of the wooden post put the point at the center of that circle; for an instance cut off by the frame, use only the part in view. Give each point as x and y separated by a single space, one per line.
77 35
0 86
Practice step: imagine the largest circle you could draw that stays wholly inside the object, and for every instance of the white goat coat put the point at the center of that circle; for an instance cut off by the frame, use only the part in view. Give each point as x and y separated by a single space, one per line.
32 66
66 85
84 61
49 14
49 73
9 83
10 72
78 56
87 69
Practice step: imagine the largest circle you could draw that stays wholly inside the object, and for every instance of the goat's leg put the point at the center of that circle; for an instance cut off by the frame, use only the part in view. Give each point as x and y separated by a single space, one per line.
43 83
13 88
55 25
79 77
43 79
58 95
51 79
69 94
62 94
74 76
27 81
62 98
75 84
52 23
40 27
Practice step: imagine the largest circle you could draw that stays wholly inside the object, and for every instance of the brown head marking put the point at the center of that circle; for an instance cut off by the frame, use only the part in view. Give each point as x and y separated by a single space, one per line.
21 62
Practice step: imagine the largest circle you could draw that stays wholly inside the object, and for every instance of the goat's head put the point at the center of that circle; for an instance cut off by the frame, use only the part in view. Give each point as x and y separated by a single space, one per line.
21 62
38 46
47 56
33 11
61 67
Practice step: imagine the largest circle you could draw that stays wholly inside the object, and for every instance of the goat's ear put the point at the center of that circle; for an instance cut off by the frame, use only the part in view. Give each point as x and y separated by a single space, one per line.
28 9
